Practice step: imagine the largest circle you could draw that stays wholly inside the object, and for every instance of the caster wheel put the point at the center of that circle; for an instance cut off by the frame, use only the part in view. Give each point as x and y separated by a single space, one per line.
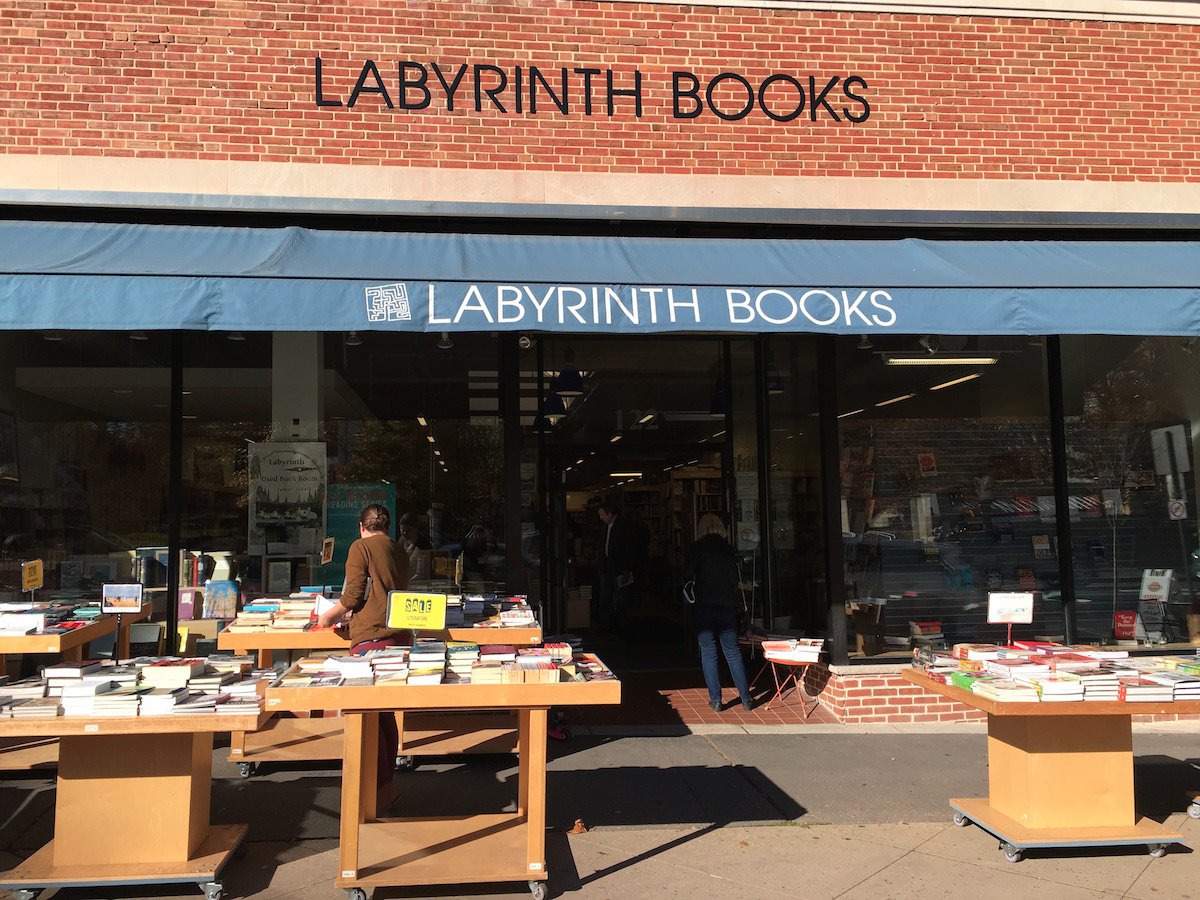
213 891
1157 851
406 763
1194 810
247 770
960 820
356 894
25 895
1011 853
538 890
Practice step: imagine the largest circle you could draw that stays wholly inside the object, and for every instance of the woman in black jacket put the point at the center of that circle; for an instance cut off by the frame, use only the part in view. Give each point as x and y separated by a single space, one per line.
713 566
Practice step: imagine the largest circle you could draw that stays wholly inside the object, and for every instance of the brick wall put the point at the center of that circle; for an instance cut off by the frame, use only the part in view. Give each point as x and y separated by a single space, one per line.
949 97
878 696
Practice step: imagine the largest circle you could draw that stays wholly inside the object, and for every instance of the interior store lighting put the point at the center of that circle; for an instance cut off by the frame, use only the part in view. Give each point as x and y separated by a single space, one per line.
853 412
946 384
554 409
864 343
569 382
353 340
421 421
444 342
895 400
430 438
647 418
616 437
927 359
624 474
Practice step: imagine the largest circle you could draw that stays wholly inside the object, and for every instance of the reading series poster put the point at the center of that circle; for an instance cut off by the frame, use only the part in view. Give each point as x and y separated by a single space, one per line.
287 498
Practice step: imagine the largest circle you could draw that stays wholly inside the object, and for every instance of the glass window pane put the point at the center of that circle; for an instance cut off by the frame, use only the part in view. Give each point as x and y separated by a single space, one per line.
946 485
83 457
1130 404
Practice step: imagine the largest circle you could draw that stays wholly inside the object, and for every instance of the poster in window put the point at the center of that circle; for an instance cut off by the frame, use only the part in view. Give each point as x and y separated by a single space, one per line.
9 470
287 498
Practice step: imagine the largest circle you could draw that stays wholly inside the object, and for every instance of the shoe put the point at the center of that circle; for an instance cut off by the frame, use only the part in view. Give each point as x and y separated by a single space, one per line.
747 705
716 705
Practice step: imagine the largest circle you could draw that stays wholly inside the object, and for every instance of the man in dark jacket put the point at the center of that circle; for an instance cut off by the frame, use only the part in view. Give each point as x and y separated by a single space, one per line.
713 565
616 565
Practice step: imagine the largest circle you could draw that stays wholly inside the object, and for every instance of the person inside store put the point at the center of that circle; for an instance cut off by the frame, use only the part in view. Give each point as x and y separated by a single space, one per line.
416 545
375 565
616 566
712 564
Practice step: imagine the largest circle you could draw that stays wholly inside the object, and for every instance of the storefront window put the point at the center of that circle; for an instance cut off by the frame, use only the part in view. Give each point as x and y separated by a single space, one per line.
794 476
946 485
413 422
83 457
1131 404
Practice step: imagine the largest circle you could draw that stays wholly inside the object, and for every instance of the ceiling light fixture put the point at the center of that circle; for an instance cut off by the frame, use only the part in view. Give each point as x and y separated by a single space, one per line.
853 412
924 359
648 418
946 384
895 400
429 437
232 336
353 340
864 343
624 474
554 409
616 437
138 336
569 382
444 342
421 421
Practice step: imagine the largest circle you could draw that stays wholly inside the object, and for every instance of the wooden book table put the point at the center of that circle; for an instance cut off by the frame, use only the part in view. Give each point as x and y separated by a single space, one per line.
1059 774
24 753
132 803
316 737
377 850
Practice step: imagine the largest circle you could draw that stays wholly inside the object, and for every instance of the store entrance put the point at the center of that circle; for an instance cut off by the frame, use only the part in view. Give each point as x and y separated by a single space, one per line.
661 496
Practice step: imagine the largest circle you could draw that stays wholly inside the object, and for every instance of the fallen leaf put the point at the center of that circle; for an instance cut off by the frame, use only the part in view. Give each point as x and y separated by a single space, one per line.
577 828
743 844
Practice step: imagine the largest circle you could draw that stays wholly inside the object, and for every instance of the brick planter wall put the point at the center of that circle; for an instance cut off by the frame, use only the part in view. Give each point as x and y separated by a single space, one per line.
876 695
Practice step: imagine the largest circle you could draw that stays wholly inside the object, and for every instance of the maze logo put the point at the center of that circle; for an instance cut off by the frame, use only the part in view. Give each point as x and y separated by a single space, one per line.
388 303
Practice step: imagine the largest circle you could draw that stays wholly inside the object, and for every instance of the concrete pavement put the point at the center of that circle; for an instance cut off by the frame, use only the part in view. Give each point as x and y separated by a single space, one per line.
811 812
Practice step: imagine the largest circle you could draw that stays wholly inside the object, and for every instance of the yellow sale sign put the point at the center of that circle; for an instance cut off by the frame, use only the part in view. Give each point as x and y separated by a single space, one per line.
31 575
424 612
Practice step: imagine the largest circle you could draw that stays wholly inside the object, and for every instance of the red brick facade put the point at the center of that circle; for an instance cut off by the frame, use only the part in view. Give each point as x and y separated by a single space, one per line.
949 97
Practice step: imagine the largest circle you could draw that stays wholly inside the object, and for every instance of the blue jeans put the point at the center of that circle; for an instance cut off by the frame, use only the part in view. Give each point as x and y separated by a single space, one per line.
716 623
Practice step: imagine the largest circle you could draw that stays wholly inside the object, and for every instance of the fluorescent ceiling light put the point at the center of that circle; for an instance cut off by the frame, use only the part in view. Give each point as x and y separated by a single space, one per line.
624 474
925 359
421 421
616 437
853 412
895 400
648 417
429 437
946 384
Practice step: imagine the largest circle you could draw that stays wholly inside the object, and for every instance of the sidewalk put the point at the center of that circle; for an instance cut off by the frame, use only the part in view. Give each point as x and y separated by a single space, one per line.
742 810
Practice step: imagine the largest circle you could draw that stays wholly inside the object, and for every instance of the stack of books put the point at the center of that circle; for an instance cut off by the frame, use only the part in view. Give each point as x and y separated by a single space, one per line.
249 621
172 673
211 682
794 650
966 680
18 624
225 662
488 672
314 663
590 668
425 674
497 653
1004 690
425 654
1137 689
1056 687
121 701
79 698
1098 683
199 704
455 615
1183 686
1014 666
351 668
390 665
977 651
926 633
61 674
461 657
161 701
26 689
560 651
35 708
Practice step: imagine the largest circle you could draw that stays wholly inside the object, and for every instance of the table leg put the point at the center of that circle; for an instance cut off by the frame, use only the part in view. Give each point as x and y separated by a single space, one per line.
265 658
531 800
354 790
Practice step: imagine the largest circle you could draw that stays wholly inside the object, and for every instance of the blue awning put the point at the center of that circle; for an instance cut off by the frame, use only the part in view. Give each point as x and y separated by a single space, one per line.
121 276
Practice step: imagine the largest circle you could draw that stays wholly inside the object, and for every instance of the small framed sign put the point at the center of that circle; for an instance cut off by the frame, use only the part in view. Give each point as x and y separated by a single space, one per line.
120 598
32 575
422 612
327 551
1010 608
1156 584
